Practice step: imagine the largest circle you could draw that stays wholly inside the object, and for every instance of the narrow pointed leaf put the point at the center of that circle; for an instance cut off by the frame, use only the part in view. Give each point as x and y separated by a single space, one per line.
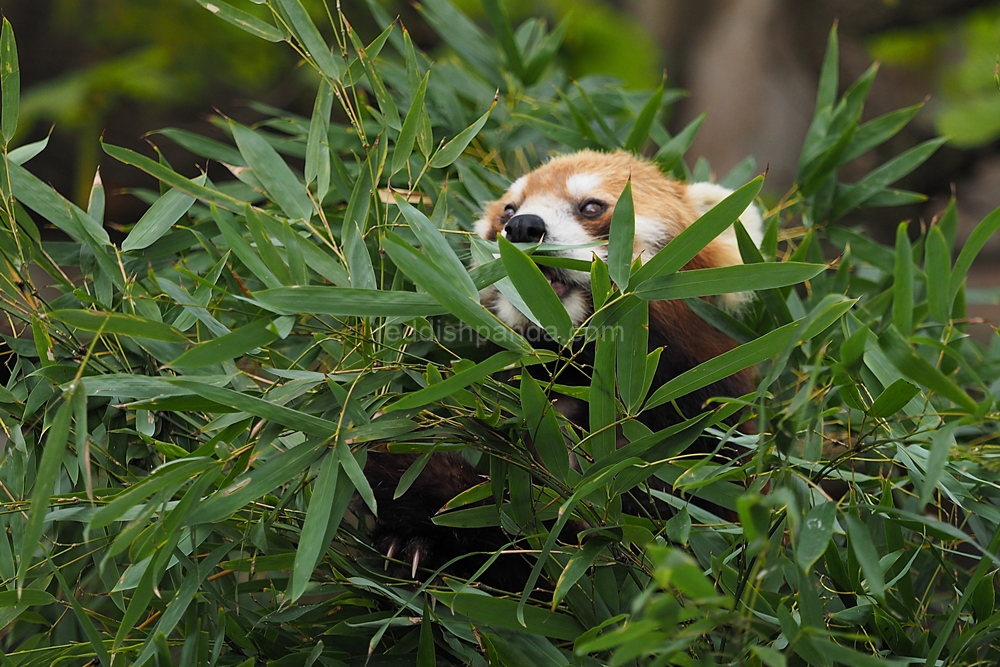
273 172
10 82
243 20
454 148
727 280
536 291
621 240
308 35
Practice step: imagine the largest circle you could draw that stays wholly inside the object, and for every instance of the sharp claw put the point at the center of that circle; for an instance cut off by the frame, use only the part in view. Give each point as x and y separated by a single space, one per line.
416 563
390 552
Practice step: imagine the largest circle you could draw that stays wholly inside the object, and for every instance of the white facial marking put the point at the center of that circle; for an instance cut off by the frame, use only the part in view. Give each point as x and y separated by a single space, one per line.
483 227
650 236
582 186
517 188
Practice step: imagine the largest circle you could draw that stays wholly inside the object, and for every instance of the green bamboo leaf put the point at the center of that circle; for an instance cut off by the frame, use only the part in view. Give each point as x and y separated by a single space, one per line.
462 34
866 553
545 52
259 407
437 248
902 293
350 465
44 200
893 398
500 22
470 311
683 248
937 267
253 484
179 604
632 343
29 597
243 20
273 172
726 280
407 479
639 133
983 232
385 102
312 542
543 427
171 178
250 257
557 132
22 154
502 613
460 380
10 82
318 142
159 218
748 354
265 246
304 30
603 406
452 150
621 240
890 172
349 302
204 147
670 154
167 478
404 144
577 566
826 94
916 368
425 650
96 202
117 323
234 344
815 535
879 130
536 291
942 442
93 636
49 463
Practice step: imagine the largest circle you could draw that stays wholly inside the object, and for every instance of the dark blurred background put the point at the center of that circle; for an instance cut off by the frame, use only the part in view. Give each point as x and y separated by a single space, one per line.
121 68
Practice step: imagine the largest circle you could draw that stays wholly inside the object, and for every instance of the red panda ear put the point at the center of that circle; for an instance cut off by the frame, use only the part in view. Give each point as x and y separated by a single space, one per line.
704 196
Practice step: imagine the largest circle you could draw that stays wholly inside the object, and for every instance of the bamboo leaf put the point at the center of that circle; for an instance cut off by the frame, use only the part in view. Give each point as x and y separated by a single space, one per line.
116 323
683 248
452 150
537 292
234 344
458 381
404 144
727 280
637 136
10 82
312 543
273 172
902 299
349 302
159 218
50 461
308 35
621 240
243 20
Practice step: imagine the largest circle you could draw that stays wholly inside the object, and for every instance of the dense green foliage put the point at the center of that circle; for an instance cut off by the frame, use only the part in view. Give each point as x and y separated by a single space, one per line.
189 413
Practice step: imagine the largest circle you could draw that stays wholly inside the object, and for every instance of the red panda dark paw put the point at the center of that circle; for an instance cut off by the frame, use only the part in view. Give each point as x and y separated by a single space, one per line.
415 550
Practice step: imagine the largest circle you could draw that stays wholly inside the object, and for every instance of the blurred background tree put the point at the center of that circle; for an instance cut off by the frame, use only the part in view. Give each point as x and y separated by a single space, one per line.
126 67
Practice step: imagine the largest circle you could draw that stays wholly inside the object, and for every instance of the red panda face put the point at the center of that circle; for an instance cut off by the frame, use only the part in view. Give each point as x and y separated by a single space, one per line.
570 201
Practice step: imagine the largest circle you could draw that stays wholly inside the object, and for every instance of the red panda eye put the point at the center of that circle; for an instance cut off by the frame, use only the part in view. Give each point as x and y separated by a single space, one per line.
508 212
592 208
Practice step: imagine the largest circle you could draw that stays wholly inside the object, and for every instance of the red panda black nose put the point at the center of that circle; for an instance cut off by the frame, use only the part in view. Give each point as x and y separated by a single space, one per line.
525 228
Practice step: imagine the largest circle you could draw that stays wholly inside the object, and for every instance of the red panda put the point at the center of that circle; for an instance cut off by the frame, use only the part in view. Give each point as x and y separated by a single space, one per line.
570 201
